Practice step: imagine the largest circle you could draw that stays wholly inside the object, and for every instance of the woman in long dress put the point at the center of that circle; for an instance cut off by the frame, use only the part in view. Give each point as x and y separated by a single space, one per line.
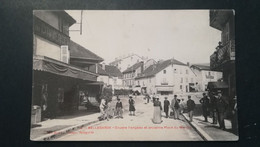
157 118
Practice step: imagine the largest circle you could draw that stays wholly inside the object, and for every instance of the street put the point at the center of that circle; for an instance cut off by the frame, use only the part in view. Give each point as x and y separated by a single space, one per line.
139 127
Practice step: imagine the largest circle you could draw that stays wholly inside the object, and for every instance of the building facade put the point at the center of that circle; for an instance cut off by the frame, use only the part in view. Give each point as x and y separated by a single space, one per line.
125 62
131 73
109 75
223 59
205 75
167 77
56 81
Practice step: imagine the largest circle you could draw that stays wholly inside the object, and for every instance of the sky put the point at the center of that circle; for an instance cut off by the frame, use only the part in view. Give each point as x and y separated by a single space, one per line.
184 35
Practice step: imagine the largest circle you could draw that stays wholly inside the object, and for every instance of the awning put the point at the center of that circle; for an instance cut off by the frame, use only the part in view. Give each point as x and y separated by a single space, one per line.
46 64
165 88
217 85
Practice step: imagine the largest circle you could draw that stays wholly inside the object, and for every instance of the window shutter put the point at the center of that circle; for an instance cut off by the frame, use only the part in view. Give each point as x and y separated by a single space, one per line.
65 53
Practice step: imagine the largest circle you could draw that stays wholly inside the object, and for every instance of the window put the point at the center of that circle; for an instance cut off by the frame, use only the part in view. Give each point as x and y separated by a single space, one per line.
180 86
164 71
181 80
187 80
209 73
175 70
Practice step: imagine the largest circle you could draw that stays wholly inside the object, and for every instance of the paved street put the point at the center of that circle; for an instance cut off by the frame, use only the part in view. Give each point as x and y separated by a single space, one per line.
139 127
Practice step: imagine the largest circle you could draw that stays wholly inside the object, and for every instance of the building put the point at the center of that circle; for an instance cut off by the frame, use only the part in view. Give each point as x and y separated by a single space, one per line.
123 63
130 73
109 75
57 79
205 75
223 59
167 77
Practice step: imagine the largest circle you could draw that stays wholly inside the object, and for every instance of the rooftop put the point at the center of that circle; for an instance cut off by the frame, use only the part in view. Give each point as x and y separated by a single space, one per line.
79 52
154 69
133 67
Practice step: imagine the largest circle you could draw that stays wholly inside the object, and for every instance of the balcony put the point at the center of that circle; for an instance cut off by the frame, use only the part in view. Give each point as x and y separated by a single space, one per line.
223 55
50 33
219 17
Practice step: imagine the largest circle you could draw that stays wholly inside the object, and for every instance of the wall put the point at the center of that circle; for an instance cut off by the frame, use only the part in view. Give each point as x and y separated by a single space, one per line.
177 76
46 48
209 76
149 83
104 79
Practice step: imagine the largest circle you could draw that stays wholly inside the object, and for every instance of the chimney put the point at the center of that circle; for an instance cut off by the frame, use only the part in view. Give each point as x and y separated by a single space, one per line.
188 63
96 68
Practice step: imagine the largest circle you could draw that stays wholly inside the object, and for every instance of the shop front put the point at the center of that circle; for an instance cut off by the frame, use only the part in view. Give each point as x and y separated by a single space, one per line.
57 85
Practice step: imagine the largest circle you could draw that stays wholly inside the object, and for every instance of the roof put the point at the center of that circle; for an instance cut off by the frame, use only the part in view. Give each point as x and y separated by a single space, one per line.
133 67
100 70
201 66
109 70
79 52
154 69
113 71
117 60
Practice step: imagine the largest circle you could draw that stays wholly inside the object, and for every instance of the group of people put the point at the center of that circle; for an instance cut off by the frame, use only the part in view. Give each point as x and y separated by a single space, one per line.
216 106
107 113
177 106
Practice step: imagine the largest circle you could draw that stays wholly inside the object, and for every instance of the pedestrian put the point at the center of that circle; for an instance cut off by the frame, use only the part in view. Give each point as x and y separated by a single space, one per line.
221 108
190 107
119 109
154 97
131 106
148 98
213 106
175 107
205 104
157 118
166 107
182 106
103 107
234 122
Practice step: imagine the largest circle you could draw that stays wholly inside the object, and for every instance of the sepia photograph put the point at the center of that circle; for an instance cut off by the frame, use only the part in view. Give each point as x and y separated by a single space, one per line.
134 75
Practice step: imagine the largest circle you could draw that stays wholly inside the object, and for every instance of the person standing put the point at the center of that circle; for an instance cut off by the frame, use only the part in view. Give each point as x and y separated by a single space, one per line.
103 107
119 108
221 108
166 107
205 103
182 106
190 107
157 118
131 106
175 107
213 107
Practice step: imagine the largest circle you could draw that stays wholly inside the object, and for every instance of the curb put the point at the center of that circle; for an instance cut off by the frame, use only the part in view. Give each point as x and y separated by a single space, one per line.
51 136
202 133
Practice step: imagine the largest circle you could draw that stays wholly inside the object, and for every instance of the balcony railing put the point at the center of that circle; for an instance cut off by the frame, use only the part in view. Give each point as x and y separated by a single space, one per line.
223 55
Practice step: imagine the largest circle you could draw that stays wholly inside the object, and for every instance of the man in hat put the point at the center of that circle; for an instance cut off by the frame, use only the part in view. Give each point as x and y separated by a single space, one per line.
205 103
131 106
175 107
221 109
190 107
119 108
166 106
